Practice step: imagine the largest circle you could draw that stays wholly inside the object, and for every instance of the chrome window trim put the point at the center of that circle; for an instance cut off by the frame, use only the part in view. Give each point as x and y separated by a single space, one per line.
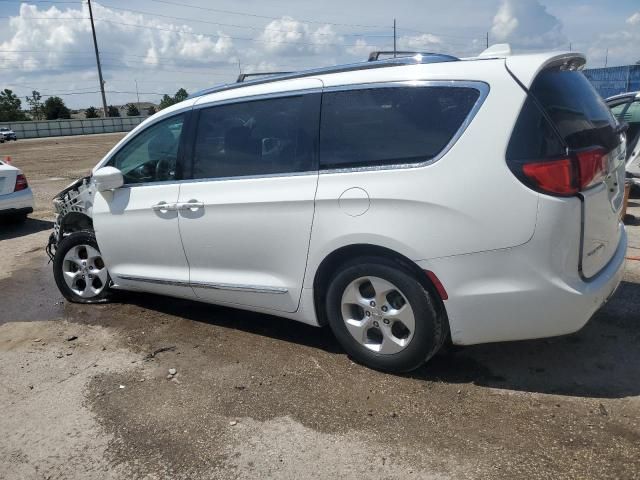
260 96
482 87
210 285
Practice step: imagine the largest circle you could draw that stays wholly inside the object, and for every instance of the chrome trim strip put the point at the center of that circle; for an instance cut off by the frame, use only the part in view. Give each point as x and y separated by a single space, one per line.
214 286
482 87
202 103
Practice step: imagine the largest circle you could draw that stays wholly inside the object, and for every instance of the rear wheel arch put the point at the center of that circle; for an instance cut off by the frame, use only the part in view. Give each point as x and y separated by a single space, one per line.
332 262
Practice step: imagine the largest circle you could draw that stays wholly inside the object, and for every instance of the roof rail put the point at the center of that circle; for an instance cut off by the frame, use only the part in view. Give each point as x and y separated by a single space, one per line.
243 76
390 62
375 55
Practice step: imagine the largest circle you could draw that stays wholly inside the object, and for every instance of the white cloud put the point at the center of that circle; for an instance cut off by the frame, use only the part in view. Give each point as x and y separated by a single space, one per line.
634 19
526 24
425 41
54 39
287 36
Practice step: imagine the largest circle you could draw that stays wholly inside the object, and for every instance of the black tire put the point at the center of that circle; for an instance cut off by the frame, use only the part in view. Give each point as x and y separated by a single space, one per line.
430 326
66 244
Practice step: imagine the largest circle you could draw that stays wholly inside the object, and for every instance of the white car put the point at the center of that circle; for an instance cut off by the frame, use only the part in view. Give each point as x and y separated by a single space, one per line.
626 108
8 134
16 198
404 202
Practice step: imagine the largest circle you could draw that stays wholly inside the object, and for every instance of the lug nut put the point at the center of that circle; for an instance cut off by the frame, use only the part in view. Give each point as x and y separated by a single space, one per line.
376 324
386 321
372 303
384 308
367 313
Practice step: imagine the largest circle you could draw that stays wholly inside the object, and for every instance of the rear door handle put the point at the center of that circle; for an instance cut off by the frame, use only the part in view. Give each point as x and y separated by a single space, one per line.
191 205
164 207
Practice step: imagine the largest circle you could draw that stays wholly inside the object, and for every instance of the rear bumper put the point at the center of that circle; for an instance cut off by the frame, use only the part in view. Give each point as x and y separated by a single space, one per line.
17 202
514 294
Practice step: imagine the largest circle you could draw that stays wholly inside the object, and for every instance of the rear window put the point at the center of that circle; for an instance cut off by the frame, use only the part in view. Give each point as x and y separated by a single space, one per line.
383 126
577 111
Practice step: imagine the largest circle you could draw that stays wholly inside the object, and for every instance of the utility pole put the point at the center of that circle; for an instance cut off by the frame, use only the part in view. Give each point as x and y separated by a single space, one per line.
137 94
394 38
95 46
487 39
606 58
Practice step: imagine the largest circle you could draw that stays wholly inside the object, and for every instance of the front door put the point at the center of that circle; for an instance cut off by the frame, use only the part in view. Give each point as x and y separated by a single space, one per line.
246 217
137 225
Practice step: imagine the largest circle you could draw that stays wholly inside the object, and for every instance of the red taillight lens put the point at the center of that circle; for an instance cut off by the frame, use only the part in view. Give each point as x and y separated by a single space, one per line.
592 165
21 183
555 176
568 176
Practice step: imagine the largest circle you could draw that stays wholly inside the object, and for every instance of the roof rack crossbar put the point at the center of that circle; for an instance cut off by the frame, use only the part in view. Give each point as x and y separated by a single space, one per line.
390 62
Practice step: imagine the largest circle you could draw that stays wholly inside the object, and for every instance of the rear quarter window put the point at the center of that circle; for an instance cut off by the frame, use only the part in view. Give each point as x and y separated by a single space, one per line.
580 115
395 125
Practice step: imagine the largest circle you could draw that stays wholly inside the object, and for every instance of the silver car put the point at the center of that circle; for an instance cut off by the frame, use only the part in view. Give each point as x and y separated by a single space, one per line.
626 108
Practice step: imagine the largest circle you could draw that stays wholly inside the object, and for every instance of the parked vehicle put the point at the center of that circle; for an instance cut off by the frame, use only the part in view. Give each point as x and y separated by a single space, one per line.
8 134
16 198
403 202
626 108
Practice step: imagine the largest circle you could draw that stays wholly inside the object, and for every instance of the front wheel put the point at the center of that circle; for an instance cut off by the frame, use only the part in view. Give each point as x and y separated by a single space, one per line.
383 316
79 270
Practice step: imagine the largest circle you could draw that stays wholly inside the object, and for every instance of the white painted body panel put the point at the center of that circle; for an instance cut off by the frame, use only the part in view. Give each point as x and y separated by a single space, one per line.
137 241
10 200
250 232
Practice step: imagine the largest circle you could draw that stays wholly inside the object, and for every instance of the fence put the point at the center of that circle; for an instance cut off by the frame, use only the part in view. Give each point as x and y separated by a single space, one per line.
57 128
614 80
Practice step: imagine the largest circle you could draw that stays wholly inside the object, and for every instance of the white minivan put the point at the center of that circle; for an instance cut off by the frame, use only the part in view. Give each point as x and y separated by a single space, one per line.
405 202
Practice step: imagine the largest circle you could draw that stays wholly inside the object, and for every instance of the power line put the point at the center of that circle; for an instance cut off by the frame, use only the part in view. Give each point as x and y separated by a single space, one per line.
265 29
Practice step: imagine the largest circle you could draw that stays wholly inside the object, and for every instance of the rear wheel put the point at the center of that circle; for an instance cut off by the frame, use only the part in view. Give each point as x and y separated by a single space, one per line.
382 316
79 270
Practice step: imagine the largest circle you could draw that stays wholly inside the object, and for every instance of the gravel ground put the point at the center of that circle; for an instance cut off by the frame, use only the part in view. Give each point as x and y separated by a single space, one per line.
261 397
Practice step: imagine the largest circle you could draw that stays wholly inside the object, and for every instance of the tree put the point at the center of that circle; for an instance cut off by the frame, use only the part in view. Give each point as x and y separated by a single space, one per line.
54 109
91 112
167 101
180 95
10 107
151 110
113 111
36 105
132 110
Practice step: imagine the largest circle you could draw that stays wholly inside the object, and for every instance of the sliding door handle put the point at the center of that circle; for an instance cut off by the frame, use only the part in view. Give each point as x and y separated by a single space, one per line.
192 205
163 207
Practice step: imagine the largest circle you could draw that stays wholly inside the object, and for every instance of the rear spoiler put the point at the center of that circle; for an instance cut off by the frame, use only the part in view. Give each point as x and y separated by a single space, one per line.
525 68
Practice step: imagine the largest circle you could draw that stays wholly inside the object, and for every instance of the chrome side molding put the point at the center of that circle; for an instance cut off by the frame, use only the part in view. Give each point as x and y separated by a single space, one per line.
214 286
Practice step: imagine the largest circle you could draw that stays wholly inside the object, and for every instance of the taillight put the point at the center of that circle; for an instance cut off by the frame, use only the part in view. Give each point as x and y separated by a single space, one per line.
555 176
21 183
568 175
592 164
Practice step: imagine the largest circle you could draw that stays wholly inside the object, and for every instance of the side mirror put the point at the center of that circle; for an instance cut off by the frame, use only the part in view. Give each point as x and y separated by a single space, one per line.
108 178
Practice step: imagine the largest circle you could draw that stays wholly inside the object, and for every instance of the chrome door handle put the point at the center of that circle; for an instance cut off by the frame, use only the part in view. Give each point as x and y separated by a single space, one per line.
164 207
193 206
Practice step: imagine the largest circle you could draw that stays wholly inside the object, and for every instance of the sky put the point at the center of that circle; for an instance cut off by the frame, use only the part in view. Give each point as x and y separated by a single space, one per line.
152 47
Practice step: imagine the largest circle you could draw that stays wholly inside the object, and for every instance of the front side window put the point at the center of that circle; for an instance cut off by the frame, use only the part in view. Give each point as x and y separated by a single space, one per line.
152 155
384 126
260 137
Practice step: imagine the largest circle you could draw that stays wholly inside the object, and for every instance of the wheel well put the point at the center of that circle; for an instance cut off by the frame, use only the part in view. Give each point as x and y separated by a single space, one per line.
338 257
75 222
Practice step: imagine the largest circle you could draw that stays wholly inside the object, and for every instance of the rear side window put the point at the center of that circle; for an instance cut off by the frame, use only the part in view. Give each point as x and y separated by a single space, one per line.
259 137
384 126
580 115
